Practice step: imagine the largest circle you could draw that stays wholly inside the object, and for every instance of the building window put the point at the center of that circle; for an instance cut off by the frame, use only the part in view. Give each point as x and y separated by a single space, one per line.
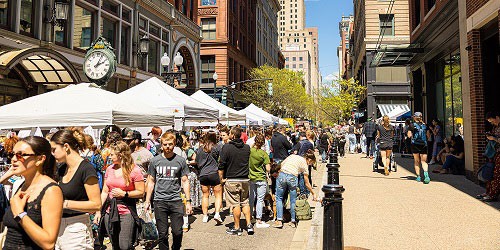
207 69
126 14
142 23
208 28
294 66
287 66
386 24
208 2
124 42
300 66
110 7
108 31
26 22
300 58
4 15
153 56
82 37
154 30
294 58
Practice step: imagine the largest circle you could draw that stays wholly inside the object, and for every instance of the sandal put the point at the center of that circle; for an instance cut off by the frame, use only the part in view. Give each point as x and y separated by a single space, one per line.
480 196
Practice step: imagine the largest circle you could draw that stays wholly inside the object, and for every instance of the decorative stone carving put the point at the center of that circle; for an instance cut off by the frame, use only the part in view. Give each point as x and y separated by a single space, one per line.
208 11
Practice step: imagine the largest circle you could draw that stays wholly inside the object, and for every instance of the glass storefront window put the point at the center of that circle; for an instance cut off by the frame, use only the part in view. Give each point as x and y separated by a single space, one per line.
4 13
108 31
207 69
26 22
449 95
208 2
82 37
153 56
124 42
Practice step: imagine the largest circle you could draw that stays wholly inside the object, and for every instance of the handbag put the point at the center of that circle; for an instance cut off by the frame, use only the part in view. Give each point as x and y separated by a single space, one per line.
485 172
148 231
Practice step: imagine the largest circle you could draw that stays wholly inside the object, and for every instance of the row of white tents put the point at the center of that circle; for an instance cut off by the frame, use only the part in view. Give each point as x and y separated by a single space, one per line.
150 103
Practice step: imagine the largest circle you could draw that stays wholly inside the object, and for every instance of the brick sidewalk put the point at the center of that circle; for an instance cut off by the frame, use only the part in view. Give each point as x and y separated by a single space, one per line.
396 212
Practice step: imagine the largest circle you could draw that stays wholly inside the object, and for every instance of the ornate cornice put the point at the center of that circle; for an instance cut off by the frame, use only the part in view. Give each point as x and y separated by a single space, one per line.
208 11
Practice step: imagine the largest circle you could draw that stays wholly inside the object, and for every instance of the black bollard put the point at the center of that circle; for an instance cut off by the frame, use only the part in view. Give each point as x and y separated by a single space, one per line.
333 166
333 232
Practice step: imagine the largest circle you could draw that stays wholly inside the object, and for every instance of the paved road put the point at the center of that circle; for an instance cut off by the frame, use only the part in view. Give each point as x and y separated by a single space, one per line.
396 212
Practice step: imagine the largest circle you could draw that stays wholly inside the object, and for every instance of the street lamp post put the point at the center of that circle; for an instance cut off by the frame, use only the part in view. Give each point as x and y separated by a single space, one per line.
171 76
215 76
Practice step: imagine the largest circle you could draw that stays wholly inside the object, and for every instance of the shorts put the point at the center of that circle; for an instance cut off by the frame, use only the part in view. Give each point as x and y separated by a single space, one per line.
237 193
386 146
210 180
75 233
419 149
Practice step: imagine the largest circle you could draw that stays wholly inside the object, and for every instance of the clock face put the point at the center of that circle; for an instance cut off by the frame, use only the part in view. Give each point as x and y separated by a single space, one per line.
97 65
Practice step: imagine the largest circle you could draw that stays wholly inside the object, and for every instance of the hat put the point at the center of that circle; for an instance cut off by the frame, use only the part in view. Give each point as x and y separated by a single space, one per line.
133 135
418 114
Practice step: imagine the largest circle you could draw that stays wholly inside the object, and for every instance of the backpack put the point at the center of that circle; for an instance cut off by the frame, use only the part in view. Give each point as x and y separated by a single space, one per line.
419 135
302 209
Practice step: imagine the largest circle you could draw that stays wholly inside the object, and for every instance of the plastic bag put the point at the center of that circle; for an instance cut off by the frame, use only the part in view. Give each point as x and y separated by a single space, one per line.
149 231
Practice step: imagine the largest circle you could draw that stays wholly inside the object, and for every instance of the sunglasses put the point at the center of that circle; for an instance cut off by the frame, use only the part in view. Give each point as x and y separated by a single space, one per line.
19 155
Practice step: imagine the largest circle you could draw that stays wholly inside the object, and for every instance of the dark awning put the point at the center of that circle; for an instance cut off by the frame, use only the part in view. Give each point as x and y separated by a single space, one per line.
395 55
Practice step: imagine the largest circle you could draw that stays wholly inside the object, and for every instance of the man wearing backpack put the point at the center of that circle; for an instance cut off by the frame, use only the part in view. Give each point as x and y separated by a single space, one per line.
417 133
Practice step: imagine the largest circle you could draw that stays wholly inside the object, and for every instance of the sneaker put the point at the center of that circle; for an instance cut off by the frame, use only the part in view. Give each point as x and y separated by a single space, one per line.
427 180
233 231
205 218
262 225
218 219
432 162
418 179
250 229
278 224
293 224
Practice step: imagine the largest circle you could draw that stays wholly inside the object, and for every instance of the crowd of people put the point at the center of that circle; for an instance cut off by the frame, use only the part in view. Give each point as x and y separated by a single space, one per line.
72 191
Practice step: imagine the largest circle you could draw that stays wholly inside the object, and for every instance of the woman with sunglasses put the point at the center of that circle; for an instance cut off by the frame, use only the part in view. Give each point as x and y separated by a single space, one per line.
33 218
80 186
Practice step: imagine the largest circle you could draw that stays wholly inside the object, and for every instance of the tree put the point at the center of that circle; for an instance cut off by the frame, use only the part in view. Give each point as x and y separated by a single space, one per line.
288 97
337 99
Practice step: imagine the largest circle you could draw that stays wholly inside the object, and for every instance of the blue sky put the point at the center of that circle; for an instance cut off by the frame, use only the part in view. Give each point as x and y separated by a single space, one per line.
326 15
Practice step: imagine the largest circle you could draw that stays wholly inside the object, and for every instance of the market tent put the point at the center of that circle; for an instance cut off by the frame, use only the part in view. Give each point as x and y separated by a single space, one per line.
385 109
254 119
396 112
162 96
226 113
83 104
268 118
284 122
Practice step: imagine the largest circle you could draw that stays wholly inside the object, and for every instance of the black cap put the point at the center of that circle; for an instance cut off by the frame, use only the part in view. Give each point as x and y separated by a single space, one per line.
133 135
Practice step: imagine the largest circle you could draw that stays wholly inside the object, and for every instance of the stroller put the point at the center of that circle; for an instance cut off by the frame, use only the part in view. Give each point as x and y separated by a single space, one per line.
378 161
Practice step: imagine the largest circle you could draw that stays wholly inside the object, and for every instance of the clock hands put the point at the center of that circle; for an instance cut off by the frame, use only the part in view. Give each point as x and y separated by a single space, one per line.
99 62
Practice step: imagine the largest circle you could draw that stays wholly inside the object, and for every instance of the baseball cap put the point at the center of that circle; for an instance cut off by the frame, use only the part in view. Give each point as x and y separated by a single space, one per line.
132 135
418 114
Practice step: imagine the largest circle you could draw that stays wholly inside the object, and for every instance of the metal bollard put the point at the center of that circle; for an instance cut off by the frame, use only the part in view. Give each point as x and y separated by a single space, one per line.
333 232
333 166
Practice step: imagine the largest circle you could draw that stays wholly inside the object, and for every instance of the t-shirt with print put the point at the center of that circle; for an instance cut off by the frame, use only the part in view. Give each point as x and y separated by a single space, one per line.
75 189
114 181
294 164
168 173
257 163
141 158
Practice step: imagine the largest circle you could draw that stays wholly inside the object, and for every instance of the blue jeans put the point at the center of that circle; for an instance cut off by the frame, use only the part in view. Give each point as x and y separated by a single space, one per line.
257 191
457 166
352 143
323 156
370 146
283 183
362 143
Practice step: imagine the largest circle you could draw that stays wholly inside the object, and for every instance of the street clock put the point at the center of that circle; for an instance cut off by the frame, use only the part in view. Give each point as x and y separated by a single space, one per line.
100 62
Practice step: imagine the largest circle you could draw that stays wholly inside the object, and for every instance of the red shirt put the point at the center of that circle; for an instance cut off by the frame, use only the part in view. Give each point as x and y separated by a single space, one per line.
118 182
244 137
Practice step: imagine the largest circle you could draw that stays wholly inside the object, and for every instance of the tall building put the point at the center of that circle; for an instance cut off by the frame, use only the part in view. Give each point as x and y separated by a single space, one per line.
297 59
378 27
37 55
294 34
346 26
229 44
267 33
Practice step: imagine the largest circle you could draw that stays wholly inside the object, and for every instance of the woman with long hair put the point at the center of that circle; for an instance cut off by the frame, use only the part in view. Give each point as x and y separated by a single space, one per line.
259 165
385 133
80 187
112 138
207 159
291 167
153 144
125 183
417 133
34 215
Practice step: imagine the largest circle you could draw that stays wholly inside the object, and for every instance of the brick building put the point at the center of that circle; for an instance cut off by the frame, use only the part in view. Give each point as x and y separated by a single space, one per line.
346 26
228 46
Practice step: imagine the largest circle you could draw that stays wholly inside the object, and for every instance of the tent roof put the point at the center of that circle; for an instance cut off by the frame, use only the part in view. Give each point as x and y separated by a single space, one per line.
260 112
84 104
162 96
225 113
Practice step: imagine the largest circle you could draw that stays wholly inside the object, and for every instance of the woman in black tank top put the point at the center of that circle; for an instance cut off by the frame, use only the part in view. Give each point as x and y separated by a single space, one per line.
34 215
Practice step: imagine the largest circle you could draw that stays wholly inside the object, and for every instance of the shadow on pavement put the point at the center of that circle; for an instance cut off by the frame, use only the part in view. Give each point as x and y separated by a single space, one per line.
457 181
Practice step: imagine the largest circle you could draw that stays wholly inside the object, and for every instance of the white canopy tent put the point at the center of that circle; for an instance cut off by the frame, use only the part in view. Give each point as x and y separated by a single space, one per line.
226 114
162 96
254 119
284 122
267 118
395 113
84 104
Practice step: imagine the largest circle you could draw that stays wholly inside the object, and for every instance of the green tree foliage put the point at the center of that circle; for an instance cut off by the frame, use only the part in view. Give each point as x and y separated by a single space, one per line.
289 98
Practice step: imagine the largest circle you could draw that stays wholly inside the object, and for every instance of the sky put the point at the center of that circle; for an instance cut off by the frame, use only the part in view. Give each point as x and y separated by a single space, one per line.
326 15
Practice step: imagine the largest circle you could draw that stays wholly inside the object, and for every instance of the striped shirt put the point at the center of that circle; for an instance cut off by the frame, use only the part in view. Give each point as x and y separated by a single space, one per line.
294 164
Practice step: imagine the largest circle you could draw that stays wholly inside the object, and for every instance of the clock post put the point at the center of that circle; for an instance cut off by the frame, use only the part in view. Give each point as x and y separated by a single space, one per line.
100 62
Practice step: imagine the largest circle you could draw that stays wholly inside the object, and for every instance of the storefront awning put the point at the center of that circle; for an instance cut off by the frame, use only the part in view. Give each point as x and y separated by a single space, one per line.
39 65
395 55
386 109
